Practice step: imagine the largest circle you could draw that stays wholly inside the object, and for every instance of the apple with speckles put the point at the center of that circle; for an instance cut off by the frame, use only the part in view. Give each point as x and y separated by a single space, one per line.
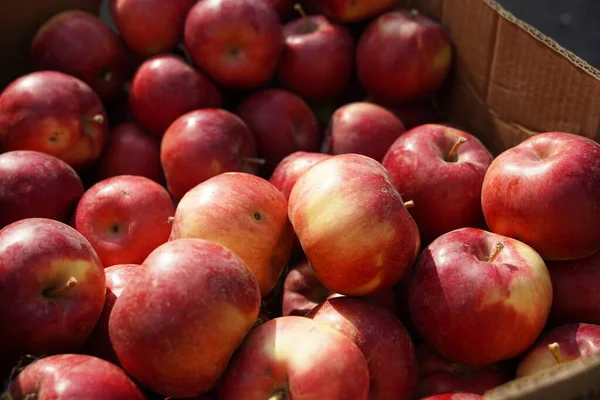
478 298
353 225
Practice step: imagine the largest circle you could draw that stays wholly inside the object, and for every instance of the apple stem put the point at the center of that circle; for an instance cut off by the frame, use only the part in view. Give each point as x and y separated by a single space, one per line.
98 118
63 288
254 160
499 247
414 13
452 151
279 395
555 350
409 204
298 7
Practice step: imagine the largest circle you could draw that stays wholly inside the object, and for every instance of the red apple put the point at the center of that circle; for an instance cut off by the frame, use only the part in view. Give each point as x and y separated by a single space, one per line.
559 345
317 59
546 192
244 213
164 88
362 128
53 113
575 287
441 169
73 376
125 218
291 167
294 357
150 27
478 298
454 396
52 287
98 343
82 45
34 184
281 123
403 56
354 10
236 42
178 321
131 151
353 225
439 375
382 339
202 144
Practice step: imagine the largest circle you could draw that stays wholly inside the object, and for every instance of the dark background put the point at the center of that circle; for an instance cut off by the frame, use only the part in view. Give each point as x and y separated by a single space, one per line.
574 24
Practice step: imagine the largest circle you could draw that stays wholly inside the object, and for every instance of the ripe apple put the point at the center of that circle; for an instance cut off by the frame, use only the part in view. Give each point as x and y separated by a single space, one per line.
178 321
575 284
98 343
362 128
236 42
164 88
441 169
439 375
318 57
202 144
382 339
403 56
52 287
546 192
130 151
150 27
36 185
454 396
82 45
353 225
125 218
53 113
295 354
291 167
478 298
354 10
72 376
244 213
560 345
302 292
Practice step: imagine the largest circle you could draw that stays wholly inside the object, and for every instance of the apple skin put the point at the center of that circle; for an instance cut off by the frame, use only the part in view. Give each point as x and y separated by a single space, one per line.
318 58
150 27
354 10
362 128
53 113
446 192
131 151
302 292
244 213
382 339
236 42
38 256
164 88
177 338
454 396
574 341
82 45
98 343
353 225
576 288
476 312
402 57
36 185
314 360
125 218
439 375
562 169
202 144
73 376
289 169
281 123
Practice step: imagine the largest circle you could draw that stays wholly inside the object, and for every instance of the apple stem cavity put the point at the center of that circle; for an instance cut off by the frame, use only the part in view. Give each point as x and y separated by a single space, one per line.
300 10
254 160
409 204
452 152
98 118
497 250
555 350
60 290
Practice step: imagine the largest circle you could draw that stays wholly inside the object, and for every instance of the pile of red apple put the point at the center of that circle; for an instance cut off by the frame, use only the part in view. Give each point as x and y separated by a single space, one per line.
254 200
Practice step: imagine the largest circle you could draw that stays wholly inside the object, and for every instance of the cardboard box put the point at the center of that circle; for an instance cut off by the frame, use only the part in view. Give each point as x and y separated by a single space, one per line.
509 82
